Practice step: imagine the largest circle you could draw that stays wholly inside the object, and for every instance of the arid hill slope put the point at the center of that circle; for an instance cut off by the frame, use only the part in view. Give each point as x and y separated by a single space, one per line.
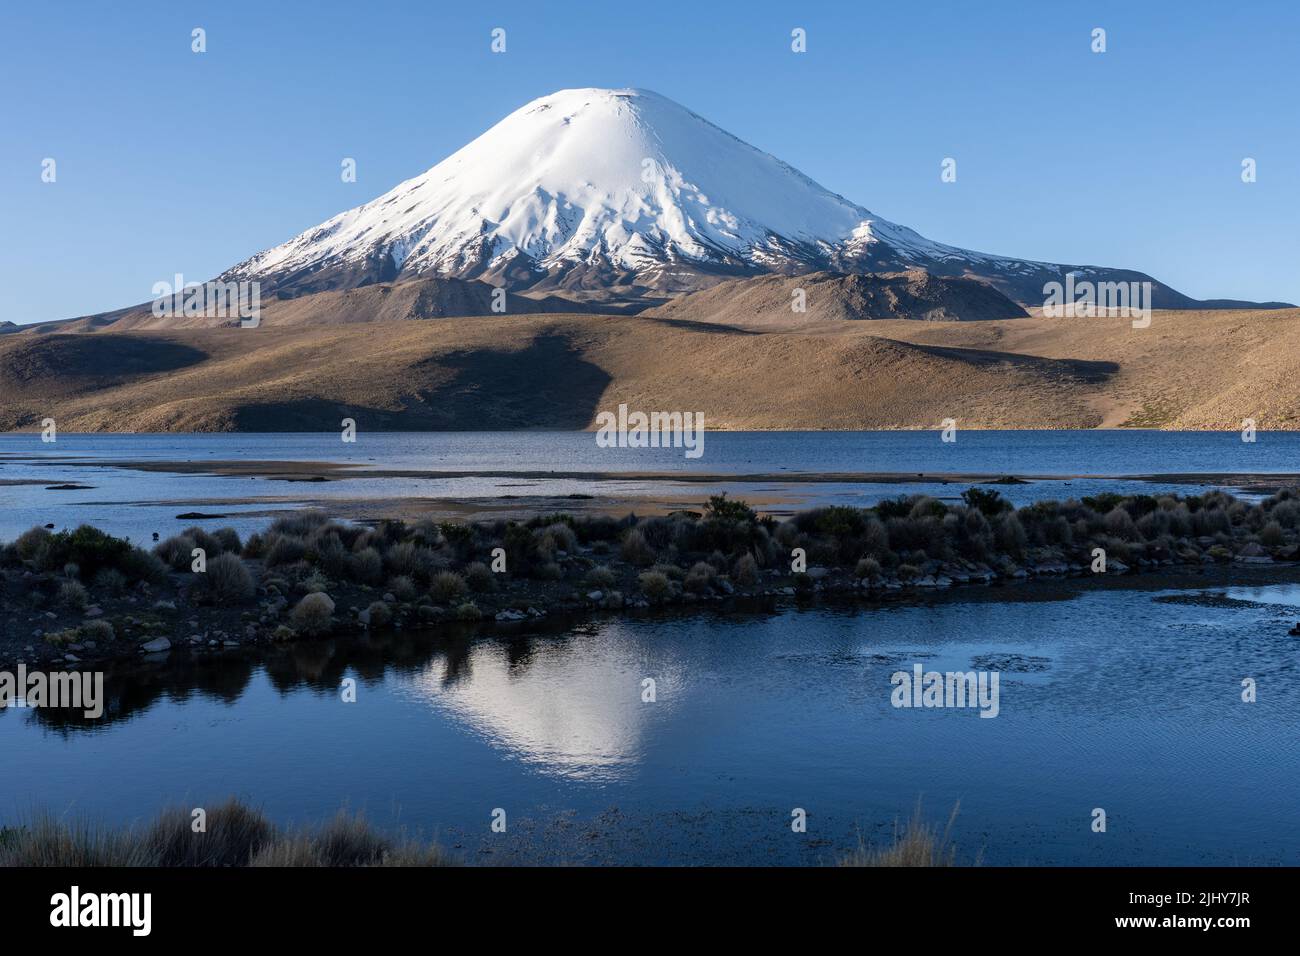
434 297
768 303
1187 370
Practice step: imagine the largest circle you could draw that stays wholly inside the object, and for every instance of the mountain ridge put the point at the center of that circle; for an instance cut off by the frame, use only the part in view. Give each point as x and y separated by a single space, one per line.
628 196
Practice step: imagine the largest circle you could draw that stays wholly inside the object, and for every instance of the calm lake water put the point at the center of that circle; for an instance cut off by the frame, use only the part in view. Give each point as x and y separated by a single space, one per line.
510 470
1114 696
1124 695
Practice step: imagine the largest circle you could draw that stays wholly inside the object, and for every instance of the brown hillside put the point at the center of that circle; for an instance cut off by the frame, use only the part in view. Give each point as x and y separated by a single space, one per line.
1188 370
830 298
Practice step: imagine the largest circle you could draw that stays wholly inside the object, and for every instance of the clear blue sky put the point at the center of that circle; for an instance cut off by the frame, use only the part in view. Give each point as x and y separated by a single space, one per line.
172 162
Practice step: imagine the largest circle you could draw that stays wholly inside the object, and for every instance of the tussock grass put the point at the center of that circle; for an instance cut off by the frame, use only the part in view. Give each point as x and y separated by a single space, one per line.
72 594
236 835
314 613
47 841
917 843
686 556
226 581
176 551
447 586
654 584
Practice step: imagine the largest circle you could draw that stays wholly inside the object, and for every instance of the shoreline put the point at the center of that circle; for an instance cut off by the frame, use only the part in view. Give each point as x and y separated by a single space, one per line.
318 471
79 598
835 594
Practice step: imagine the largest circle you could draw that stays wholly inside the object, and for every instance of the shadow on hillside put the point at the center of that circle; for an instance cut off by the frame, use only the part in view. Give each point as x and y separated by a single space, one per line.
1082 370
106 359
546 385
694 325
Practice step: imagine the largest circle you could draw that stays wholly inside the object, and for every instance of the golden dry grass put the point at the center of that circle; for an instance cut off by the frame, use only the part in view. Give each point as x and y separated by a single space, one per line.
916 844
235 835
1188 370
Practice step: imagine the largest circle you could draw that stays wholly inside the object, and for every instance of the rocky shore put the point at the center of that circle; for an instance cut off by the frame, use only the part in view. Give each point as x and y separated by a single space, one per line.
72 598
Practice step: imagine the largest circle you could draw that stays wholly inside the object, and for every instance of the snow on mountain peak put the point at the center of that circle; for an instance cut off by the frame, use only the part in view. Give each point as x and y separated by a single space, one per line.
620 194
625 175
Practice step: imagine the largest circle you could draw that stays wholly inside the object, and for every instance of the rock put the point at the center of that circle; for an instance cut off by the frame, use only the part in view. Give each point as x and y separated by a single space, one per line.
595 596
1253 554
164 605
94 611
390 598
156 646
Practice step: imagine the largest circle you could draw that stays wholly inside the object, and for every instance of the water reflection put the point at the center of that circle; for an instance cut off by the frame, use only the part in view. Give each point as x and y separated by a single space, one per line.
1129 696
576 709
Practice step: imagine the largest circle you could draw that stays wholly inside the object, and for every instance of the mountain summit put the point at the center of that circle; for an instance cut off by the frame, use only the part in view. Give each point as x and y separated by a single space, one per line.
622 193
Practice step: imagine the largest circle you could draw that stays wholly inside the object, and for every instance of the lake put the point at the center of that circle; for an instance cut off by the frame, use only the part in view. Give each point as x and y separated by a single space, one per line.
1123 695
489 474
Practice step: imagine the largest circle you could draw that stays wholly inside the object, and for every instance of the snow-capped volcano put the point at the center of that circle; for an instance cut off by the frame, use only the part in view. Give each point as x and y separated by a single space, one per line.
617 189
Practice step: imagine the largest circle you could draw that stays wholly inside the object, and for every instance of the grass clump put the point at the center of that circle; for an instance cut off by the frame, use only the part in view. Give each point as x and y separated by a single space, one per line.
402 588
699 578
226 581
446 586
177 552
917 844
635 550
600 577
469 611
746 570
654 584
73 595
232 834
480 578
314 614
99 631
